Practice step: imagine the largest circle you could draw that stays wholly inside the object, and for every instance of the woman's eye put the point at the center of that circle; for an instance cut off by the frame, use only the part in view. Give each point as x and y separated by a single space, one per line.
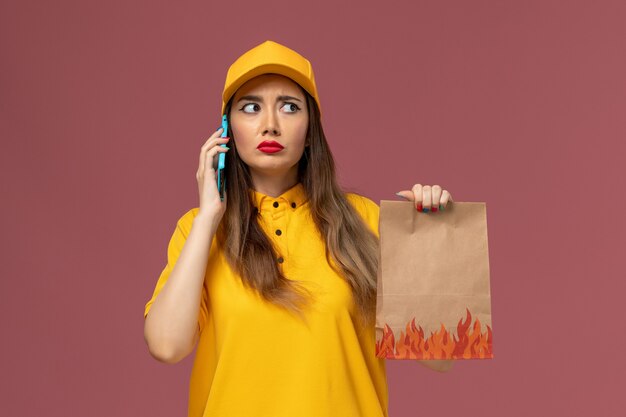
291 107
251 109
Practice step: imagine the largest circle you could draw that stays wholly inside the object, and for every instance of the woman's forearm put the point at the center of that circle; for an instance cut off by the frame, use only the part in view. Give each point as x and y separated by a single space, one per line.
171 326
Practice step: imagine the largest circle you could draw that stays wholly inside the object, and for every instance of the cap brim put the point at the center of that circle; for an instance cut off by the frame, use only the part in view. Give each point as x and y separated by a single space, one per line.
288 72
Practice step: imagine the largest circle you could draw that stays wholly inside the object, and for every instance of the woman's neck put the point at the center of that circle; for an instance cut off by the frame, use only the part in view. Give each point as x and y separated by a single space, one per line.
274 186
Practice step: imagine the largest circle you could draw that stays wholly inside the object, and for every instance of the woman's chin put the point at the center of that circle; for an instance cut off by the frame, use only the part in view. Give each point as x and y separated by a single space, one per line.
272 168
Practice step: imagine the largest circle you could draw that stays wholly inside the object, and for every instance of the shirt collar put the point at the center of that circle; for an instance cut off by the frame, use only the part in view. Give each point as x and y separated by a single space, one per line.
292 199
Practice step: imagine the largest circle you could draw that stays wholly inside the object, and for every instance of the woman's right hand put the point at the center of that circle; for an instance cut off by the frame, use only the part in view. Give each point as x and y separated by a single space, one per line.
210 203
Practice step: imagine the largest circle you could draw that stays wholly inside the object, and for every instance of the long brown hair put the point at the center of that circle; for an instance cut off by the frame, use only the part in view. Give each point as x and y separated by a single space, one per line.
352 245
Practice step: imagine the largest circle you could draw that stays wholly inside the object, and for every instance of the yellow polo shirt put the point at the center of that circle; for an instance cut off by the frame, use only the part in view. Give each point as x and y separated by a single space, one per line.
254 359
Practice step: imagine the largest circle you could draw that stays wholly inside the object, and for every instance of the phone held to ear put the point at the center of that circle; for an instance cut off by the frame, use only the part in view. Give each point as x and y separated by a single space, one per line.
221 162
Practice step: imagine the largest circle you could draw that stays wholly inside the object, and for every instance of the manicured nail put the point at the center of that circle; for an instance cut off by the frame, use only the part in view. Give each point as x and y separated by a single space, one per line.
401 196
441 207
425 210
434 209
419 207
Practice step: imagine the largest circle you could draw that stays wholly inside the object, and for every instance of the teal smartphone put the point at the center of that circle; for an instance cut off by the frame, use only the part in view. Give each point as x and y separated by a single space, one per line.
221 162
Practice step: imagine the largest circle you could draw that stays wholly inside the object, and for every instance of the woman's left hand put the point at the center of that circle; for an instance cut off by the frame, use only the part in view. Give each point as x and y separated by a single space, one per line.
427 198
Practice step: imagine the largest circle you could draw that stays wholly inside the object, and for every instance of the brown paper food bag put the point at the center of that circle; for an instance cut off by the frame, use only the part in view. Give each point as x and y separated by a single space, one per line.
433 298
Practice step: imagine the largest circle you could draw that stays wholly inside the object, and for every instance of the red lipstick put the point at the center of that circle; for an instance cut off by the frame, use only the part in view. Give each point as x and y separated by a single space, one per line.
269 146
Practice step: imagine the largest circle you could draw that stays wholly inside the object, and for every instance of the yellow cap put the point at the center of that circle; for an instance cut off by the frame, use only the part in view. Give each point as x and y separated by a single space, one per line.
269 58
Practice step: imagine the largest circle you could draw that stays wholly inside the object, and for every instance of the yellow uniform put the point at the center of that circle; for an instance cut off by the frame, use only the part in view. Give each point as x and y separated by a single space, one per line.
255 359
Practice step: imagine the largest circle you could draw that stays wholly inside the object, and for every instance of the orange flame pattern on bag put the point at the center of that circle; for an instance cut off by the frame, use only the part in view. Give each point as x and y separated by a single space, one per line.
440 345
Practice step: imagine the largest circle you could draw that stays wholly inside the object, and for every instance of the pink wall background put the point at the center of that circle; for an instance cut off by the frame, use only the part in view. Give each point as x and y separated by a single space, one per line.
104 107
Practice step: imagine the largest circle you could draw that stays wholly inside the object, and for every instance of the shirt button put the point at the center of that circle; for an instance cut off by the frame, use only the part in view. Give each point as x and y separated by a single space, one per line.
275 203
293 205
278 232
280 260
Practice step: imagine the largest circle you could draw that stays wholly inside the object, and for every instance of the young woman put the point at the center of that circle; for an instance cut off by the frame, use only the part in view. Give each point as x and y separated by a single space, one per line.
275 285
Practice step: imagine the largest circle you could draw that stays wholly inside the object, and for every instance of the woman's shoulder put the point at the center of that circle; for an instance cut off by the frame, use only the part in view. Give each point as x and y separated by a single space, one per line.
362 203
366 207
186 220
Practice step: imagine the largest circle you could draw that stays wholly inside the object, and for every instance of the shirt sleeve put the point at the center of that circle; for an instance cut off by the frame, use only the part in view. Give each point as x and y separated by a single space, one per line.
174 248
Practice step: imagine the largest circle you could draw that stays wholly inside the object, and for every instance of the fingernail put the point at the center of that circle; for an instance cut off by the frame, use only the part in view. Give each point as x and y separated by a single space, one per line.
441 207
401 196
425 210
419 207
434 209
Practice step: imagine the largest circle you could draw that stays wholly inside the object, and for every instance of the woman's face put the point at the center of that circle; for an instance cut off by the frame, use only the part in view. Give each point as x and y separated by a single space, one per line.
270 108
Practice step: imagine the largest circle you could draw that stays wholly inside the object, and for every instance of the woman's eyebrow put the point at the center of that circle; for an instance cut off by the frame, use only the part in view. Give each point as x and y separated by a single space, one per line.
260 99
283 98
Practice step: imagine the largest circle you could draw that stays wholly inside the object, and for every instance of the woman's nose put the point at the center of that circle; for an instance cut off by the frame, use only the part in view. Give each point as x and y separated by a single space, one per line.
271 124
